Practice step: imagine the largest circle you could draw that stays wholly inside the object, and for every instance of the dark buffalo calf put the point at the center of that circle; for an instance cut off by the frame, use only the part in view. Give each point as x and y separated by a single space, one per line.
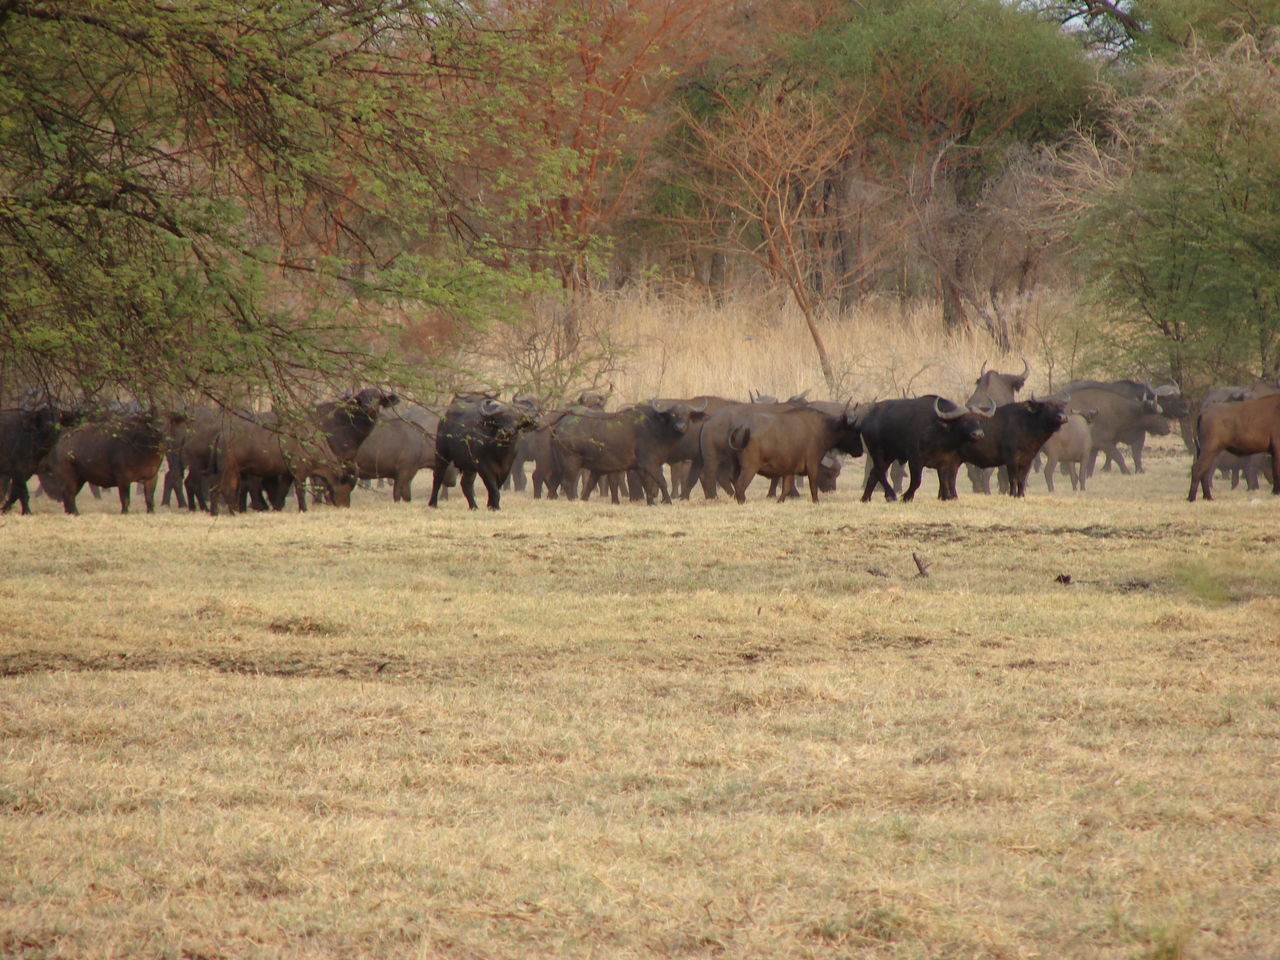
114 452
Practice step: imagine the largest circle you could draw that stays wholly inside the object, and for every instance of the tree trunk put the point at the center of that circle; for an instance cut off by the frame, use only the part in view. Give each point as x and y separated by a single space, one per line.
824 360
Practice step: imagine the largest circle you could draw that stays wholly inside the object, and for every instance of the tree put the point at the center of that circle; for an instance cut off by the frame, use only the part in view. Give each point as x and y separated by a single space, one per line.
952 90
1136 29
601 110
214 197
759 182
1178 216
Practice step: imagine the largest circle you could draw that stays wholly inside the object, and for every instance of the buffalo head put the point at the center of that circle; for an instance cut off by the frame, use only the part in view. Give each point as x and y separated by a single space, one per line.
968 422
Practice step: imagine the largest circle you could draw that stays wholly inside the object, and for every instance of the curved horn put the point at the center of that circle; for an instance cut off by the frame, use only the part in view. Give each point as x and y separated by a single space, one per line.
658 407
955 414
751 395
701 407
489 406
983 370
985 410
1026 368
799 397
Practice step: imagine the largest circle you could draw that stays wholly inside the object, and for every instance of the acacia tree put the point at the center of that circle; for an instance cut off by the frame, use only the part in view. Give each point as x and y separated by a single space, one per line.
203 197
951 89
600 113
758 177
1177 216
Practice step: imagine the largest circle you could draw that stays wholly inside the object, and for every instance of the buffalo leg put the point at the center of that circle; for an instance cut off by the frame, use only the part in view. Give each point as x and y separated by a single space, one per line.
492 486
1136 449
1202 474
468 485
71 491
1275 460
125 494
17 494
917 476
947 482
876 474
745 475
437 481
1048 475
1114 453
149 494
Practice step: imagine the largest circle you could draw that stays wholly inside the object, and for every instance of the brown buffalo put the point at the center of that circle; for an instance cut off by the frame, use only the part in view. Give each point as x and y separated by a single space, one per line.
789 442
1069 447
117 450
322 445
1242 427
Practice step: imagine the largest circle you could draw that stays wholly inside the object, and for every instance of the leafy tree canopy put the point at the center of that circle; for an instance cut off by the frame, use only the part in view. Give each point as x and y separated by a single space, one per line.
1180 216
219 197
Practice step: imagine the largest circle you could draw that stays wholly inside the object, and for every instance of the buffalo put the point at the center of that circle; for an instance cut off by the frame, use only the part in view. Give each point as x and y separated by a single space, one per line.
1119 419
923 432
1069 447
478 438
27 435
535 445
638 438
993 388
401 443
1132 428
1012 436
324 445
117 450
1242 427
791 440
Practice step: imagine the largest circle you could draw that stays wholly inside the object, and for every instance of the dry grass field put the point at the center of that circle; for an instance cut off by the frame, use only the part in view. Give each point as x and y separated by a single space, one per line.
579 730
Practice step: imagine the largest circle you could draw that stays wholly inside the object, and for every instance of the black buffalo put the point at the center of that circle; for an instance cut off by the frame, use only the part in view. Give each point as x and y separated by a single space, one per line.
479 437
1012 436
922 432
27 435
993 389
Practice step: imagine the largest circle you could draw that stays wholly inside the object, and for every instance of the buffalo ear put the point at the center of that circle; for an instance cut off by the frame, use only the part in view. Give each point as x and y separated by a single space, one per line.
389 400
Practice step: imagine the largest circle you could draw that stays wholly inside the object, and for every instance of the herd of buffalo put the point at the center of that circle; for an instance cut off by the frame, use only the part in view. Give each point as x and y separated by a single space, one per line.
237 459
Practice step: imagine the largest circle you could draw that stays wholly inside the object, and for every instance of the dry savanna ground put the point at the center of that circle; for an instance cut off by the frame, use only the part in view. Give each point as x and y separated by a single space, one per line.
579 730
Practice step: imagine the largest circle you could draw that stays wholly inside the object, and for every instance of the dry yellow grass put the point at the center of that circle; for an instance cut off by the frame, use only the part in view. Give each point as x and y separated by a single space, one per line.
578 730
673 346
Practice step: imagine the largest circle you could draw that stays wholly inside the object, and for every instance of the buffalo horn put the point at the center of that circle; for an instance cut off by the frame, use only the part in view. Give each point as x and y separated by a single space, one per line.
658 407
955 414
985 410
1026 368
701 407
489 406
983 370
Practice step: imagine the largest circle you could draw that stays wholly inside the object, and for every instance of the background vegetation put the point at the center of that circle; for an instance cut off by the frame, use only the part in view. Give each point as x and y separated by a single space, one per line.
246 201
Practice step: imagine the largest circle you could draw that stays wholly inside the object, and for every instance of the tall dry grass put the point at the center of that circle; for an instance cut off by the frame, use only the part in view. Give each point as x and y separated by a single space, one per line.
670 344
